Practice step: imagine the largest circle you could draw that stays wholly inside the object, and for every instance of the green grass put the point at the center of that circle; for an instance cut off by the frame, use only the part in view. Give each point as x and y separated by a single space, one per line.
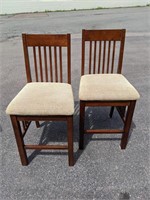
98 8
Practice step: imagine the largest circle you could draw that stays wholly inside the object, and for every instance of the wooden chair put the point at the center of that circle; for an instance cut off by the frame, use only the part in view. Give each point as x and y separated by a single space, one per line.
47 96
102 83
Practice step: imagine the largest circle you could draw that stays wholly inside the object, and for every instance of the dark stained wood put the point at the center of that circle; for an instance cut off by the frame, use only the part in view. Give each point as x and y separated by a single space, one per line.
69 57
113 57
83 54
46 40
45 60
94 65
26 126
81 125
51 66
90 57
44 43
128 120
56 70
103 37
99 56
26 58
104 53
40 63
60 61
106 103
122 111
70 140
35 63
48 60
28 146
111 111
19 140
107 56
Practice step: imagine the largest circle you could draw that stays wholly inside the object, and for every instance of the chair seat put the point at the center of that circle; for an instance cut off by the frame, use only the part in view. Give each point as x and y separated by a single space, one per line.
107 87
38 98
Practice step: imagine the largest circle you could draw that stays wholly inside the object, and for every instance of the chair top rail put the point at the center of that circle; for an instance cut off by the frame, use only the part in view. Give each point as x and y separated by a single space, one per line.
46 39
105 35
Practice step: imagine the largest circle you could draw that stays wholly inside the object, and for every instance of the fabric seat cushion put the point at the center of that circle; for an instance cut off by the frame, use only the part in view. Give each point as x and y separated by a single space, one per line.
106 87
38 98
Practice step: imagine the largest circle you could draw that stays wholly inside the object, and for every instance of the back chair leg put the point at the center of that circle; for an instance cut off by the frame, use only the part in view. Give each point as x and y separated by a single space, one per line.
127 124
122 111
70 140
37 124
81 125
19 140
111 111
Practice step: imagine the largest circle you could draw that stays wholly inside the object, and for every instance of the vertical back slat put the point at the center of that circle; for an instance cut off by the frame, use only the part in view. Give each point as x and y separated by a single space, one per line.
108 57
55 58
104 52
83 54
35 63
69 57
45 60
60 60
90 57
99 56
121 52
113 56
50 61
40 62
26 58
94 64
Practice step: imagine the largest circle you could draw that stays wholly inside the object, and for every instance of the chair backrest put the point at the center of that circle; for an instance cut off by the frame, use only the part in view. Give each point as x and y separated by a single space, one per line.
102 51
47 57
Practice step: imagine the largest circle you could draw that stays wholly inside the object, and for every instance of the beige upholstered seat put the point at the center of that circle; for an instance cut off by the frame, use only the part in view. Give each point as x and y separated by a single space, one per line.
106 87
43 99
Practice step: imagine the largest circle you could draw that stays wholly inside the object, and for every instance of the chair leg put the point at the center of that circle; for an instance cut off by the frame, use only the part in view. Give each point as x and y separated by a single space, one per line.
122 111
111 111
19 140
70 140
37 124
81 124
127 124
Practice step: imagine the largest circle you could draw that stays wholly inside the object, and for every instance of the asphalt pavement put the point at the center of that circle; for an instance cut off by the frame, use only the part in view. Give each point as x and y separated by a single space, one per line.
102 171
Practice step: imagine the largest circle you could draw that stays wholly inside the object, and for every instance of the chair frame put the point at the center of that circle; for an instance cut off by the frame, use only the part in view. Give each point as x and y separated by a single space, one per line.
124 108
18 120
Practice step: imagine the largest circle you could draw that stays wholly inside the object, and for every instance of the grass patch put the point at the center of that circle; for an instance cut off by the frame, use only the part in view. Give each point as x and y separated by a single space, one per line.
86 9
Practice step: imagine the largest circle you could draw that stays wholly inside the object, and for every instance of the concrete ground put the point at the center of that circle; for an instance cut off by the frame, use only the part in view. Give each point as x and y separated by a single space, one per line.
102 171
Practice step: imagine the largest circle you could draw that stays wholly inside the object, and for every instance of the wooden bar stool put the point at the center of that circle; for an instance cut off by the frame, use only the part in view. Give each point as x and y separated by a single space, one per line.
46 96
102 83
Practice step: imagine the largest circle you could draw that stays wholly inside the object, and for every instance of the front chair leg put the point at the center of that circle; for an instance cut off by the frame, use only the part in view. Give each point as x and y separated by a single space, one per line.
19 140
70 140
127 124
81 124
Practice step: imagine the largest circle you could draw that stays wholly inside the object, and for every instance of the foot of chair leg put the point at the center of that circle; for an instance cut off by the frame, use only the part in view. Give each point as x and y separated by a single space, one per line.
24 163
124 141
127 125
111 112
19 140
